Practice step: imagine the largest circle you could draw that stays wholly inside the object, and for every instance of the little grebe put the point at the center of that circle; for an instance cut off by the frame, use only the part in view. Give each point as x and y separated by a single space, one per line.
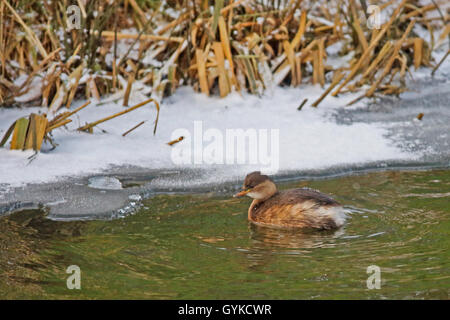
295 208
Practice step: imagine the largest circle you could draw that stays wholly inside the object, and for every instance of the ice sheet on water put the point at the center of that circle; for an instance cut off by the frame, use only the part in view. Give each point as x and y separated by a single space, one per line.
103 182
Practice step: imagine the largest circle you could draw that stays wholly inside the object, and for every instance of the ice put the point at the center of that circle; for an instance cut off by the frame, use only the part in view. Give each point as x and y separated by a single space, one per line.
102 182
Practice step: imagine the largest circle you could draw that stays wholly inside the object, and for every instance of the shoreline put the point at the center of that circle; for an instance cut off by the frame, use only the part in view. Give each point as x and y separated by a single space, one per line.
78 195
424 144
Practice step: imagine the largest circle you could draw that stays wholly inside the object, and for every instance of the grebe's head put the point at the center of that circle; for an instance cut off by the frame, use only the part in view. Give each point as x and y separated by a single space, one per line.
257 186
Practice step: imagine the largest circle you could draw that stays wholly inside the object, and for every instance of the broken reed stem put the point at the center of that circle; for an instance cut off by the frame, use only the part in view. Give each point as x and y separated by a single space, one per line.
440 62
337 79
302 104
57 125
88 127
151 37
171 143
135 127
74 111
356 100
131 78
201 69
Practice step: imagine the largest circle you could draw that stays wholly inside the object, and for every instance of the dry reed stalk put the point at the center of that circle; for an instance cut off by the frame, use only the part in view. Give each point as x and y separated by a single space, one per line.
440 62
73 56
218 5
171 143
394 72
337 78
404 66
138 10
21 61
75 76
445 33
2 45
248 71
51 79
251 49
361 37
289 52
149 37
19 134
132 129
368 51
417 11
301 30
388 66
88 127
57 125
223 78
418 47
226 49
302 104
298 65
174 23
283 69
8 133
62 117
58 99
36 132
31 36
131 78
383 52
321 56
201 69
93 88
39 68
356 100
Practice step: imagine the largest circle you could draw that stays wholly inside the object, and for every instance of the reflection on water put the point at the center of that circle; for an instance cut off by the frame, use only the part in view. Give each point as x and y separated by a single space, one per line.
270 238
201 246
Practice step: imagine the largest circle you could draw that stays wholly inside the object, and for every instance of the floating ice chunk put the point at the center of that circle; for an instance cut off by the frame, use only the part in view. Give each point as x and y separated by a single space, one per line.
101 182
134 197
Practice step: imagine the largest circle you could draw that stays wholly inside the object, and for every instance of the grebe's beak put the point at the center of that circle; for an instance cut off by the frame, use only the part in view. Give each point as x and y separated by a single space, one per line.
242 193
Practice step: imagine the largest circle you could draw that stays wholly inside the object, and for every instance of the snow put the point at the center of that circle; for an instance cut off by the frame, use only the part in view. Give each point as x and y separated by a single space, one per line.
308 139
34 91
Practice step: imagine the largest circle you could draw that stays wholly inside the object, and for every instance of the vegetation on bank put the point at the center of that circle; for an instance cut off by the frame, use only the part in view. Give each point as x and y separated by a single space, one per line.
214 46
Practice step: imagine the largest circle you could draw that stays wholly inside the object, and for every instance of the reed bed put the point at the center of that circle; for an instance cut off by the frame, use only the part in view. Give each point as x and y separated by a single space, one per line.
216 47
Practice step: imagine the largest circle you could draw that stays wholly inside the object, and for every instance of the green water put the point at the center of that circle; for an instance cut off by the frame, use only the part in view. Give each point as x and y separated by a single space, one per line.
201 246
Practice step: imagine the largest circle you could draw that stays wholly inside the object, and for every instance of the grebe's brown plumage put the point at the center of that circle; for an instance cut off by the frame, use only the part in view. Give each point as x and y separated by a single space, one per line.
295 208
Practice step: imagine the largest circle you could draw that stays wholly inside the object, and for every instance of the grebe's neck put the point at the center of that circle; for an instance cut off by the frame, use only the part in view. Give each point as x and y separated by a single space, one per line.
252 206
261 193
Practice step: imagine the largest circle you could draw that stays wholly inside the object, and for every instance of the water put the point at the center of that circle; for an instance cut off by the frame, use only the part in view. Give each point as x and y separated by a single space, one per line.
190 246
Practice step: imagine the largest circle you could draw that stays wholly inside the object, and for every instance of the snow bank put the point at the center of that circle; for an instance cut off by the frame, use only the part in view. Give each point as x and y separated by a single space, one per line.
308 139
